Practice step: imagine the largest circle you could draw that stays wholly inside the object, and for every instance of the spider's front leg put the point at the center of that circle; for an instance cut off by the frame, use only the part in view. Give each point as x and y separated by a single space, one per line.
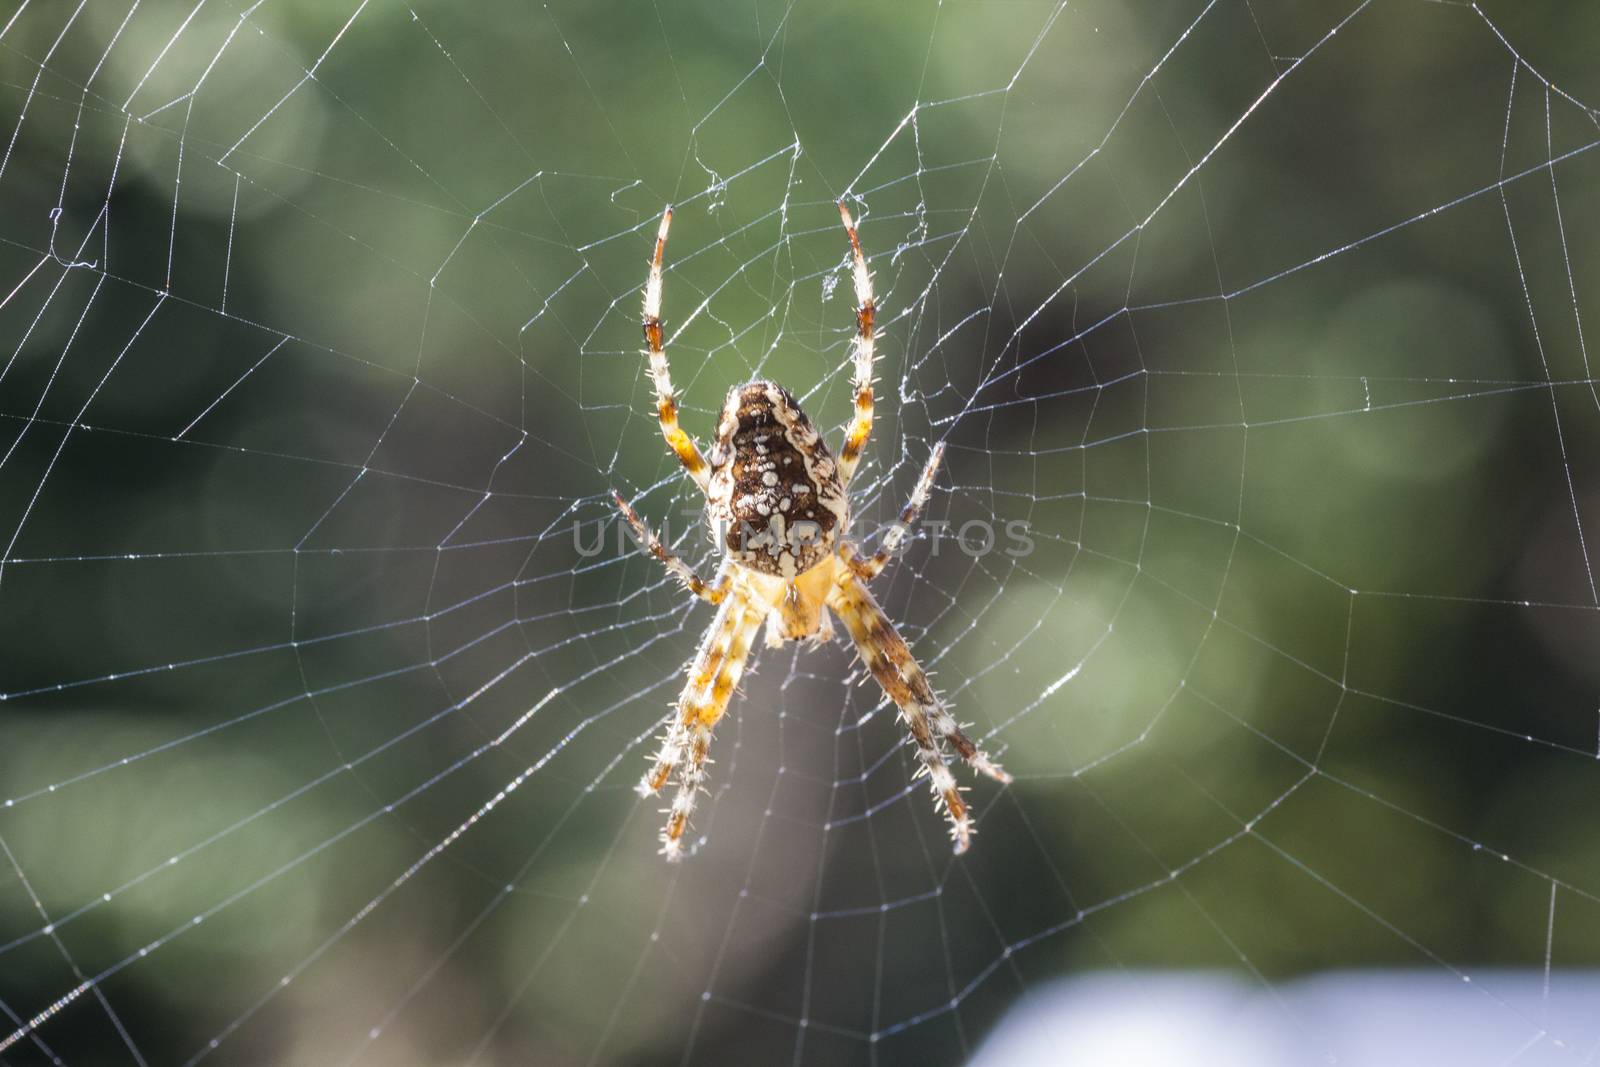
930 723
713 676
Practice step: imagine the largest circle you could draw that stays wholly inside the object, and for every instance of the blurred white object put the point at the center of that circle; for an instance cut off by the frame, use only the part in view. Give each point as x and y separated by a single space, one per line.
1359 1018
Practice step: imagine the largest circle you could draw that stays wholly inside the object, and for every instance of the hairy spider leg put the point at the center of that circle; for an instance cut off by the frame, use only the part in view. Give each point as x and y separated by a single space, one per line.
702 672
666 400
870 567
929 722
704 701
713 591
866 311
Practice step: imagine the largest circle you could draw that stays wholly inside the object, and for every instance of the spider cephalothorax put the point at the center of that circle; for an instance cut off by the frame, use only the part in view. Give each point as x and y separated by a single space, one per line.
777 496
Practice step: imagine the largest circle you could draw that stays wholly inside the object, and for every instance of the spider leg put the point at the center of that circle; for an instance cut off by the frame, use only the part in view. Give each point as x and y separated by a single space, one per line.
666 400
927 719
868 569
866 311
713 676
703 669
665 556
701 718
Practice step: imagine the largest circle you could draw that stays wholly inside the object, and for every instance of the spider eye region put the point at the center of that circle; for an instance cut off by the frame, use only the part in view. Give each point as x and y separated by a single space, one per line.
775 488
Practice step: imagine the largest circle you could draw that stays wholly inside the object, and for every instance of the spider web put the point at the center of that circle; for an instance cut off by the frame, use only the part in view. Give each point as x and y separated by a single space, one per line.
1264 321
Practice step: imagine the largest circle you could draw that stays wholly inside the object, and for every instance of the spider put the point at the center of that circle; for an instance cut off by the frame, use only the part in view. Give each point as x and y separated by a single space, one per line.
777 500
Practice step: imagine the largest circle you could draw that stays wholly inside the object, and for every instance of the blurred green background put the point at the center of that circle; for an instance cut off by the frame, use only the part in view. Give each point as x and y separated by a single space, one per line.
320 336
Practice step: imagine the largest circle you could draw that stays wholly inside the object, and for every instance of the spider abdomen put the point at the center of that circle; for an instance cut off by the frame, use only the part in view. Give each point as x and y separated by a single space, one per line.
774 487
776 498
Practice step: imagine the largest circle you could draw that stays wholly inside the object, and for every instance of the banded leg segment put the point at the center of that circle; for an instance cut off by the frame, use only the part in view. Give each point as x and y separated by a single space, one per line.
866 315
700 719
703 669
655 340
713 676
713 591
927 719
870 567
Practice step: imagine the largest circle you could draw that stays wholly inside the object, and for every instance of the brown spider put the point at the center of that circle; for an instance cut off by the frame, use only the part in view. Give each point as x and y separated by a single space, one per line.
778 497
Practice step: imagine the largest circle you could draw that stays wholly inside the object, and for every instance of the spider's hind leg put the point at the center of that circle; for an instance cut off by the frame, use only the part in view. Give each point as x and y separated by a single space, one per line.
656 347
863 349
